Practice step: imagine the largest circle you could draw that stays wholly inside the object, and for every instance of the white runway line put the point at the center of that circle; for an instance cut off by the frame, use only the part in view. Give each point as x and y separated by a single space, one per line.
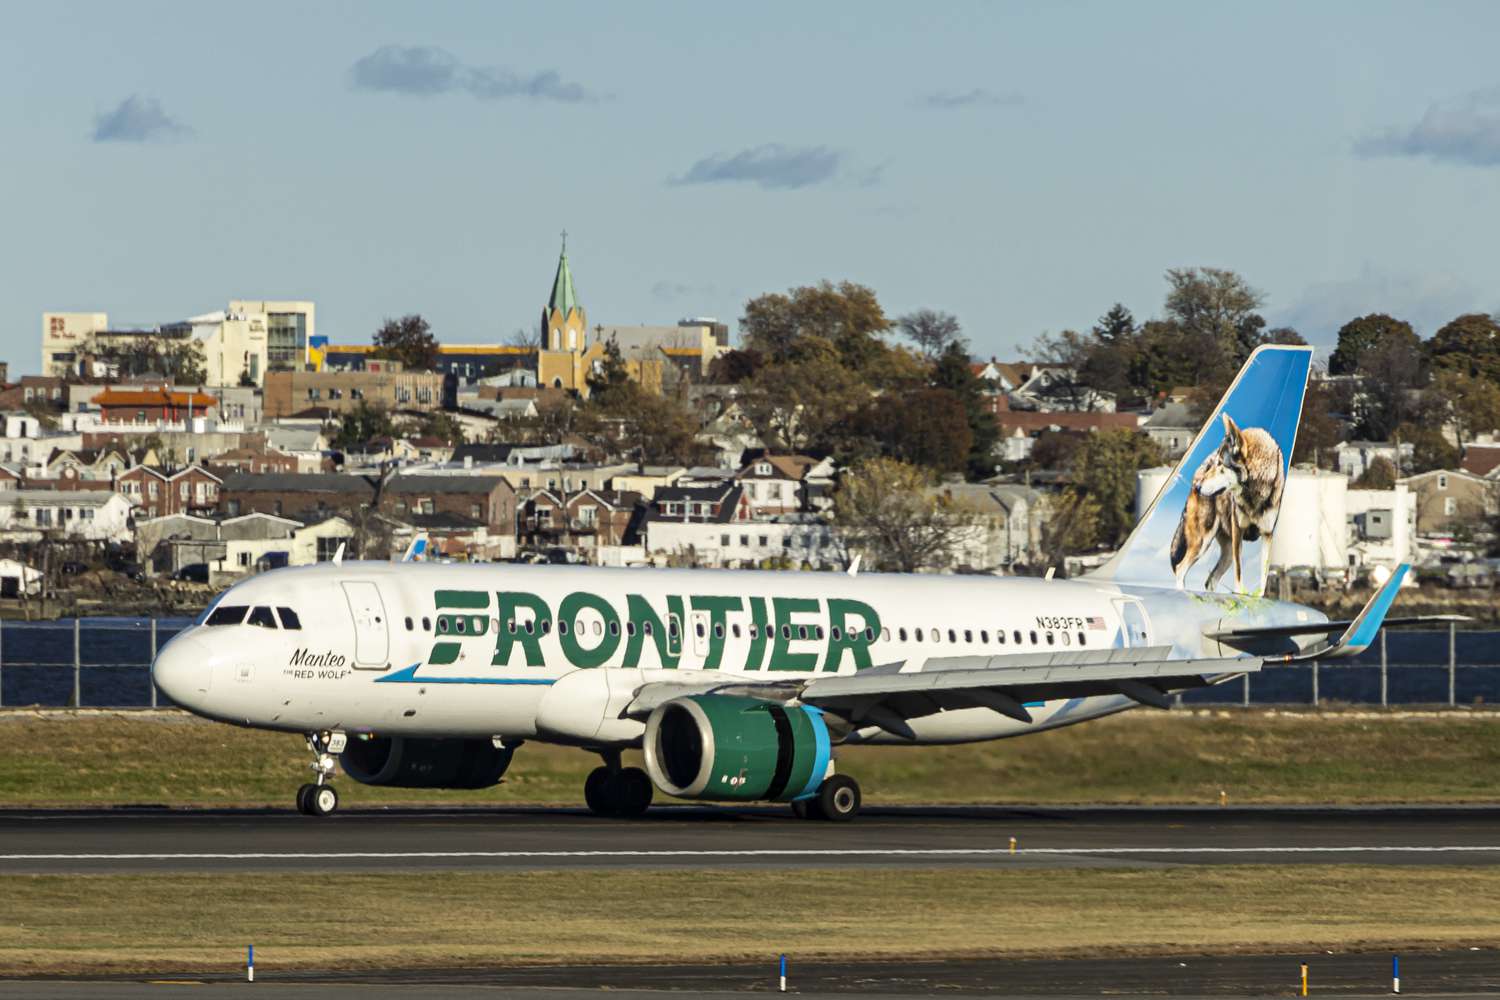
749 853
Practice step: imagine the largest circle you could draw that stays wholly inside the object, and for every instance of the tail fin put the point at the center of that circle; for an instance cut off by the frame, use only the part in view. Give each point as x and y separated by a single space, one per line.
1210 526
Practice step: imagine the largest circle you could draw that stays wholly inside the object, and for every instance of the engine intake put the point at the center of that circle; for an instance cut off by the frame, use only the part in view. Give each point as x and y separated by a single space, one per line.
412 762
735 749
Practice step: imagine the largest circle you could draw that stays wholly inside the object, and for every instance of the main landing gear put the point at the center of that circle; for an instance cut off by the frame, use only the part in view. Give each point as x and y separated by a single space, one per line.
836 799
620 792
317 797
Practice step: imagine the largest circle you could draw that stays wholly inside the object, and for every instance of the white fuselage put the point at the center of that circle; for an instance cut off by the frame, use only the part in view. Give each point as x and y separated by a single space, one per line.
556 653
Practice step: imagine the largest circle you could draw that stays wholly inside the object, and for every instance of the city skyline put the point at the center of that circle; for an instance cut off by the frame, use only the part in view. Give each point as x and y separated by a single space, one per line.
1023 167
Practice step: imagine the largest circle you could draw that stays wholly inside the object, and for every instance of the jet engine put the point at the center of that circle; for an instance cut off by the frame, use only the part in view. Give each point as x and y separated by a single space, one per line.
410 762
736 749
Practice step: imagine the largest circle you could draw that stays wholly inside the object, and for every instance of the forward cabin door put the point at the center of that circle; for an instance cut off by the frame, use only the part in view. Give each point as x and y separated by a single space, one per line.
1133 620
371 636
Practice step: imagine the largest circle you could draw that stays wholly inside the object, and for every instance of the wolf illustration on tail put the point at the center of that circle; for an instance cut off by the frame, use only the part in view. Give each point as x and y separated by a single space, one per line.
1226 489
1235 498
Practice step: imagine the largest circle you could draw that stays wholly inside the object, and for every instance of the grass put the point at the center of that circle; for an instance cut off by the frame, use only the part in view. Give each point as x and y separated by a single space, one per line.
193 923
1139 757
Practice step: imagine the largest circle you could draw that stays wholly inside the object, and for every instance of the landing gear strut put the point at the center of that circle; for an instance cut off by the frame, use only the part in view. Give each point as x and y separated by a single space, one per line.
612 790
837 799
317 797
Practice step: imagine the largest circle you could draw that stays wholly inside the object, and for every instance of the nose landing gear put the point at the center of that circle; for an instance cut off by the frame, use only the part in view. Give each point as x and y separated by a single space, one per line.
619 792
317 797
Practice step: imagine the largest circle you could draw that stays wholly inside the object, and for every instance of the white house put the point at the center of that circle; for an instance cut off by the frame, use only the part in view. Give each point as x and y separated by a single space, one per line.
93 515
796 539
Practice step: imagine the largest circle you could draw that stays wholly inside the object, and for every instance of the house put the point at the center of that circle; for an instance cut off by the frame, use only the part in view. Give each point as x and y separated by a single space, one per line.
1173 427
449 536
152 405
1005 524
1054 389
1354 458
306 444
796 540
292 392
95 516
1481 458
234 547
86 463
721 503
646 480
156 491
587 519
47 392
1450 500
785 484
251 459
489 500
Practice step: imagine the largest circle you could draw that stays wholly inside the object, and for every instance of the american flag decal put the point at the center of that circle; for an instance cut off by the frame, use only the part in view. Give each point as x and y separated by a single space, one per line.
1095 622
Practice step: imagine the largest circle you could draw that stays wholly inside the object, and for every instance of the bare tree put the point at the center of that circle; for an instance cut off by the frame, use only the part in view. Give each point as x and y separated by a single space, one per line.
931 331
889 511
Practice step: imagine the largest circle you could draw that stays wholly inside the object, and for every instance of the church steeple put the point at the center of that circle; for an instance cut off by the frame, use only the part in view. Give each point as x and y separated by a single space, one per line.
564 323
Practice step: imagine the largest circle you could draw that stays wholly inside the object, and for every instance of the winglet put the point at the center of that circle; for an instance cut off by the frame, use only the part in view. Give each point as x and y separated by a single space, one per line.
853 569
416 550
338 557
1366 625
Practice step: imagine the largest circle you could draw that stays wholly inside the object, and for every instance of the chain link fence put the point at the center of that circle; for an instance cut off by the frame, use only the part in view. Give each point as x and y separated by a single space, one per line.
105 663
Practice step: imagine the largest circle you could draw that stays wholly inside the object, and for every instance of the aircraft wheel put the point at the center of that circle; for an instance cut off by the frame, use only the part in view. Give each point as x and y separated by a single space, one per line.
839 798
322 800
631 790
302 795
596 792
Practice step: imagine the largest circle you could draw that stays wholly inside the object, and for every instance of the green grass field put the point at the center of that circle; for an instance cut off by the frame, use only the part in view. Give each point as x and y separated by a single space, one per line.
447 919
1138 757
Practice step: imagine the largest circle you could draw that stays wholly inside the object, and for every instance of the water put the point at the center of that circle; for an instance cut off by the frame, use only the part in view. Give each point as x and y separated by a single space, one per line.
36 668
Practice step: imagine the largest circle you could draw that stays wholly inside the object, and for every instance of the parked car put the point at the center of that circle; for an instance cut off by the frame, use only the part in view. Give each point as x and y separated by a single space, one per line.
192 573
72 568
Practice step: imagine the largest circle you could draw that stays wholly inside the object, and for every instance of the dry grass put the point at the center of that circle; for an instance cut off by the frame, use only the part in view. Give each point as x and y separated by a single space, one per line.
185 923
1143 756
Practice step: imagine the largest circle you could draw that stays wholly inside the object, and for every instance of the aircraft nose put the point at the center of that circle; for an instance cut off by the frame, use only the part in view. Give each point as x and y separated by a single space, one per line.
183 670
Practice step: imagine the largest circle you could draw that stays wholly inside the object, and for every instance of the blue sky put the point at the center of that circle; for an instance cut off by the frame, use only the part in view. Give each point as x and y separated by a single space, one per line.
1021 165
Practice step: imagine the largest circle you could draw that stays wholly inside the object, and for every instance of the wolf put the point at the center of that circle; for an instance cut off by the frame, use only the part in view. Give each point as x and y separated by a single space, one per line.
1235 498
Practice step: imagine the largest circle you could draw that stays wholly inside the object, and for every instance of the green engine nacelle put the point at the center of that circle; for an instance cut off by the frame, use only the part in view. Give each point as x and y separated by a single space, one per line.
714 746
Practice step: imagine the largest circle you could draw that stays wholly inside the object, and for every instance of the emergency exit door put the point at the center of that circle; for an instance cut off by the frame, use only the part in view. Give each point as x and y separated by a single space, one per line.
371 637
1133 618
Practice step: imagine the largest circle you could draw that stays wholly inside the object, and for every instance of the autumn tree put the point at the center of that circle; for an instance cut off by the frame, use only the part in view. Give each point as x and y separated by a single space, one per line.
1319 431
955 374
802 405
1216 306
1380 474
361 425
846 315
1472 402
408 340
1097 507
1468 344
1391 372
926 427
889 511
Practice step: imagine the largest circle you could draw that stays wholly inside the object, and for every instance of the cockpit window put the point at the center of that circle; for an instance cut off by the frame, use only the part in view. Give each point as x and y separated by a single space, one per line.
227 614
261 617
289 618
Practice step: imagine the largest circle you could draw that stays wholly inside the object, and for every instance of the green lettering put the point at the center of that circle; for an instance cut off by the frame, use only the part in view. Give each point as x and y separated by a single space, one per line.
445 649
513 631
645 621
718 609
759 626
572 639
853 638
781 656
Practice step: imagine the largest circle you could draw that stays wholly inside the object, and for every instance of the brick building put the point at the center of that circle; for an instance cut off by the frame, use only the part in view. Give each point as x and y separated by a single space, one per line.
152 405
488 500
289 393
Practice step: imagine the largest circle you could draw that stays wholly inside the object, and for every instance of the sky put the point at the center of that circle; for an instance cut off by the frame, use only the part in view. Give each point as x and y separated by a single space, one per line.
1021 165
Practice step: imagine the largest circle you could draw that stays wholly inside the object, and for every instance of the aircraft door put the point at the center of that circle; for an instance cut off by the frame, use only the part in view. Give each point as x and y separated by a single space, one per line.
698 622
371 634
1133 618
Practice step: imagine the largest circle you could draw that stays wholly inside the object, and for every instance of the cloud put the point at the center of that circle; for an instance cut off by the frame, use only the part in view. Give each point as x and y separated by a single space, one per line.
427 71
1463 130
138 119
773 167
949 100
1426 301
669 291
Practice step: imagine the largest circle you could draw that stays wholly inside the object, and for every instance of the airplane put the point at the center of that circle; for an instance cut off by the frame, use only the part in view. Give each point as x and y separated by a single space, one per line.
739 685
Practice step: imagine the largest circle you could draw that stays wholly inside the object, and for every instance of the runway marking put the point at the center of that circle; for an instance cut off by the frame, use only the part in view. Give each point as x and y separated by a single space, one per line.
745 853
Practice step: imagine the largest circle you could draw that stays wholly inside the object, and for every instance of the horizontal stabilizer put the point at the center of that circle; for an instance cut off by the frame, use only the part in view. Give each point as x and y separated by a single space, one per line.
1327 628
1362 629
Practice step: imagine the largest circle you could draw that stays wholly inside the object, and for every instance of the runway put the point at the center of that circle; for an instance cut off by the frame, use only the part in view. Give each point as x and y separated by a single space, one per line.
386 840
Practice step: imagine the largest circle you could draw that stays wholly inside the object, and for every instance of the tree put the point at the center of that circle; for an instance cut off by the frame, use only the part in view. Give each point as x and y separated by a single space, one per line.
847 315
889 511
1318 432
1379 475
442 425
609 373
1390 373
1098 505
933 332
803 405
1217 305
1054 449
529 338
1360 335
359 426
1116 327
408 340
954 373
1472 401
733 367
1468 344
926 427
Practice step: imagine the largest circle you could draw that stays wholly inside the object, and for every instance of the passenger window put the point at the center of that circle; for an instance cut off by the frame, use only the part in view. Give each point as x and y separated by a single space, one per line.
442 625
1000 636
869 634
227 615
968 635
786 631
735 629
885 634
1033 638
562 628
261 617
546 626
1016 635
937 635
902 633
645 628
530 626
984 637
837 633
289 618
462 625
426 622
917 634
718 631
1067 638
698 630
1081 641
408 623
1049 638
630 628
754 630
817 631
952 636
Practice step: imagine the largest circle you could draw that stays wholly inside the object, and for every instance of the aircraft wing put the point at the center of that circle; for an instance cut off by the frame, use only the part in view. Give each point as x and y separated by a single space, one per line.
889 694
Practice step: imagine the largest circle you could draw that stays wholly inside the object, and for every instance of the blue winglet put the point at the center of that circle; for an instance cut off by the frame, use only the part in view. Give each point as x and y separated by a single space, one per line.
416 550
1366 625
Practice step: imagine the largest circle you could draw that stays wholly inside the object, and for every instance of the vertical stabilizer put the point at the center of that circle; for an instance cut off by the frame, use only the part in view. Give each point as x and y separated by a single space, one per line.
1210 527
